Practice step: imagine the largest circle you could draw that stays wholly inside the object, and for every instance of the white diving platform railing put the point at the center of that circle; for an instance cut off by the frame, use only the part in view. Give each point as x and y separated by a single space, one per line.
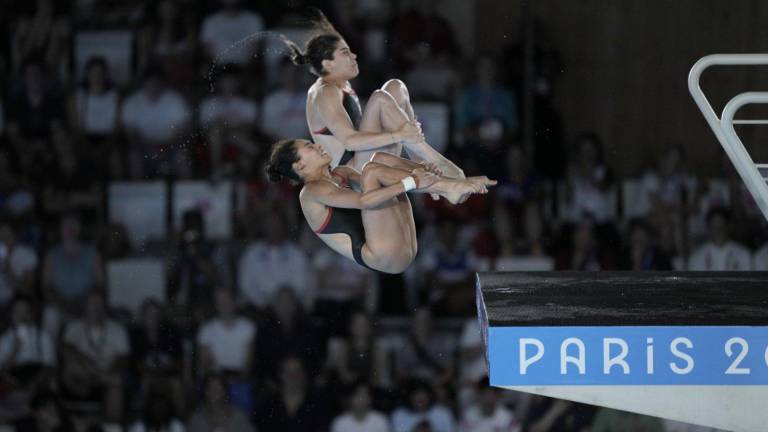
723 126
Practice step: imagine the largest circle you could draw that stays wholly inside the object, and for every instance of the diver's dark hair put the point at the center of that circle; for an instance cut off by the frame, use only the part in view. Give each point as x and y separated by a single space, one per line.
281 159
320 47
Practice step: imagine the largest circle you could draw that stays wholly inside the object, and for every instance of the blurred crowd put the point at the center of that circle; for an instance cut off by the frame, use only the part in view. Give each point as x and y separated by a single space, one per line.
267 329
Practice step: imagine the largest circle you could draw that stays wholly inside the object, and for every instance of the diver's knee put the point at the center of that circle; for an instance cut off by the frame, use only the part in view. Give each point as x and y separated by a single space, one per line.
397 89
381 97
394 85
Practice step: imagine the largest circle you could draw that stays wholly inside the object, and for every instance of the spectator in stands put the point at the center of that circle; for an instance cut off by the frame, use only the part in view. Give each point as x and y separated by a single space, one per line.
228 119
18 265
585 251
225 342
157 415
287 330
283 108
670 188
488 414
670 192
94 351
421 407
471 363
156 122
271 263
73 269
93 115
484 100
35 112
296 406
431 76
215 413
642 253
169 36
359 356
44 34
421 25
425 354
47 415
720 252
518 217
485 114
342 287
157 355
197 267
449 267
222 33
27 351
589 181
359 416
69 186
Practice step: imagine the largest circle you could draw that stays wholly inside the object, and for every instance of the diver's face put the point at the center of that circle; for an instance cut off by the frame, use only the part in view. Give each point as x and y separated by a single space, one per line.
311 157
344 62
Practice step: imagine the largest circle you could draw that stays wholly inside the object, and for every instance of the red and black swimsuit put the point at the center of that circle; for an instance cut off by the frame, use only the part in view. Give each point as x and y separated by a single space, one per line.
349 222
352 106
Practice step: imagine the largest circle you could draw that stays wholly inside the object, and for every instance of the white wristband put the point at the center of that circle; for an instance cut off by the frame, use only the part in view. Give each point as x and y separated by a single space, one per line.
409 183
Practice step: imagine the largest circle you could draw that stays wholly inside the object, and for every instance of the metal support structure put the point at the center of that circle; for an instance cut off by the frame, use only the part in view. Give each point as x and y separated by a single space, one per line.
723 127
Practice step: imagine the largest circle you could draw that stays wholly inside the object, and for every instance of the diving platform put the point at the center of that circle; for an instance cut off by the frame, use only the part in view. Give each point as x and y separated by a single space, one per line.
687 346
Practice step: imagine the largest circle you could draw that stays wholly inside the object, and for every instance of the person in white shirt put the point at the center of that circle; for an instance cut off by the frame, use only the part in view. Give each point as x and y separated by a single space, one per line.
268 264
225 342
488 414
720 253
95 103
228 120
223 33
94 349
24 342
422 408
93 113
471 363
589 181
18 264
156 120
360 417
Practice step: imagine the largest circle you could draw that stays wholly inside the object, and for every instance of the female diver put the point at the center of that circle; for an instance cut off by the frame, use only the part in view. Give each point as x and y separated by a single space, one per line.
336 120
375 227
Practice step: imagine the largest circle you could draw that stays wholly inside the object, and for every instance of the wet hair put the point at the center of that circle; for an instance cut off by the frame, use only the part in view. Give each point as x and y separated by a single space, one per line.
320 47
281 159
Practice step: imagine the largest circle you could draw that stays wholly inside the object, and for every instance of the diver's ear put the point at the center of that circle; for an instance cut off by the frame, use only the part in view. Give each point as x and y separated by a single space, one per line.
327 65
298 167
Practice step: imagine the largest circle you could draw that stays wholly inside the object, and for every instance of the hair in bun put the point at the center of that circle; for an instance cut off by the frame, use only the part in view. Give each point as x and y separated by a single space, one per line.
320 47
281 159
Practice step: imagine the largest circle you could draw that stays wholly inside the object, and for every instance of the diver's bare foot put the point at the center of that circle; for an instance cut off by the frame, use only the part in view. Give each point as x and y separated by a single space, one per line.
455 190
482 181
